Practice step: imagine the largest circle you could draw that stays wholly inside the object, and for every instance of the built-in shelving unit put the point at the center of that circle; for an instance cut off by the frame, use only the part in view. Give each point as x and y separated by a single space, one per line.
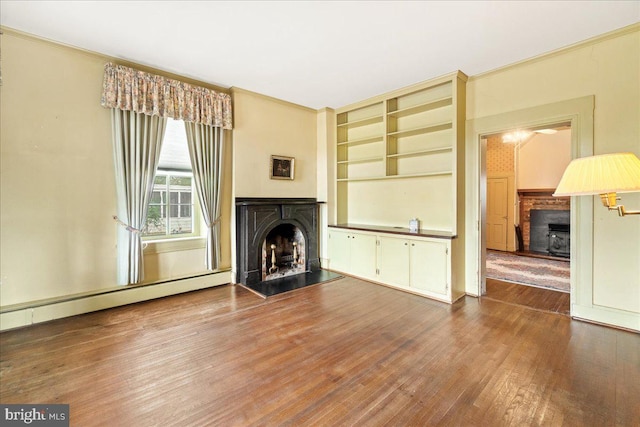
401 156
360 142
414 134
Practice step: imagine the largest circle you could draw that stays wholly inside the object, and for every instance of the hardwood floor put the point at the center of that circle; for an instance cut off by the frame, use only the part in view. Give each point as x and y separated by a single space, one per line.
341 353
528 296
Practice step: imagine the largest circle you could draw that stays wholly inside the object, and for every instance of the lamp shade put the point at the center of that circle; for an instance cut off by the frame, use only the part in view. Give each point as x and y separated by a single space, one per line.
606 173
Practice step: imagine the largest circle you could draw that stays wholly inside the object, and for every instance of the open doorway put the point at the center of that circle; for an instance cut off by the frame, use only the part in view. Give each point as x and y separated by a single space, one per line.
527 229
578 112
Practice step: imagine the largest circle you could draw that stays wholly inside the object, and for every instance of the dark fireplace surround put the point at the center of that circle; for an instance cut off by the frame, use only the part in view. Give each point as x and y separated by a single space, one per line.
257 217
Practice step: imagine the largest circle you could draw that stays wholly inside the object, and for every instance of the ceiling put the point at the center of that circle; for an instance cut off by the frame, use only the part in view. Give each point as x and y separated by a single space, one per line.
319 53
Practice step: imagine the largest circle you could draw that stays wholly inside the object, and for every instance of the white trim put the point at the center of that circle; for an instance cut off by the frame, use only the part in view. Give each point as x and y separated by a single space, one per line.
122 296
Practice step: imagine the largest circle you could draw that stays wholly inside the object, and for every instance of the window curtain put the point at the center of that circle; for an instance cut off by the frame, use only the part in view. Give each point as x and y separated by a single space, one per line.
137 139
141 102
206 150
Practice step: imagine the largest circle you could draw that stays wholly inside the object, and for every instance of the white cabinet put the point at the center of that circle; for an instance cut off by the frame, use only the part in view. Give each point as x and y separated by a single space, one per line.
353 253
418 264
339 250
430 267
393 260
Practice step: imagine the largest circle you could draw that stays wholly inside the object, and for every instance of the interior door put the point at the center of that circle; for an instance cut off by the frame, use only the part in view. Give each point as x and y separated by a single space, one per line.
497 213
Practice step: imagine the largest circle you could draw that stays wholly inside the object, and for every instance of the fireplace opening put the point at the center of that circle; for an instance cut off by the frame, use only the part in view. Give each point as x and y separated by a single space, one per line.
283 252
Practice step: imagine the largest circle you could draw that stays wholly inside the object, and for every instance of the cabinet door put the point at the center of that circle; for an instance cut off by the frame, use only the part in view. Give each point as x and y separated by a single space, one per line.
429 267
393 261
363 255
339 248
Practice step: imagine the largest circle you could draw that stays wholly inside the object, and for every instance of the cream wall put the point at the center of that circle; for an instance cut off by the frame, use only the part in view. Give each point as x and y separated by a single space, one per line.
265 126
57 194
543 159
609 69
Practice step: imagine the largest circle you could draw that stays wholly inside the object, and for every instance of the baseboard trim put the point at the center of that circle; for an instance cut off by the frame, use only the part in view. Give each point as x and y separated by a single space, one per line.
127 295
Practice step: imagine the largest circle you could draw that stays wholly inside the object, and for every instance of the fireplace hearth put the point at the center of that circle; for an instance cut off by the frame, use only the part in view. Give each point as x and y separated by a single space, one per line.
275 238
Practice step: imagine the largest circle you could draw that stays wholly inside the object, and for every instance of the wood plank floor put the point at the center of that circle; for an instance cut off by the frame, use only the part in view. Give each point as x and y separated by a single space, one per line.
528 296
341 353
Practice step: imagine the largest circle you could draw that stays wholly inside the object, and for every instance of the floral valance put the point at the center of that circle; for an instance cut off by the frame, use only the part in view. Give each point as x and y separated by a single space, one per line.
129 89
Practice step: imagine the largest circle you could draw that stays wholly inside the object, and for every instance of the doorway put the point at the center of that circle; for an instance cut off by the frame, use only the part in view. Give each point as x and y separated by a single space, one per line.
579 113
523 168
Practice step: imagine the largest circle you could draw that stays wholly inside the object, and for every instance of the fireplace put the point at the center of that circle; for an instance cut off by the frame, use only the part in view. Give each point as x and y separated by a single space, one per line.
549 232
275 238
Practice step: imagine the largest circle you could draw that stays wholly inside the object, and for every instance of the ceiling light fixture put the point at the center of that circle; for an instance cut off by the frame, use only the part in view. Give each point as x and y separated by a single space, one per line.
546 131
606 175
516 137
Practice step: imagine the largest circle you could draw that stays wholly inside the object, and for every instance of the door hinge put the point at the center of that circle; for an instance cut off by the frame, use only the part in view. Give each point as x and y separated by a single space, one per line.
446 251
377 242
377 271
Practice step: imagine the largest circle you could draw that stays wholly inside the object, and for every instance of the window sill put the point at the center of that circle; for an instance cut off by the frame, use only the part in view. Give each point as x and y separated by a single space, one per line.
173 245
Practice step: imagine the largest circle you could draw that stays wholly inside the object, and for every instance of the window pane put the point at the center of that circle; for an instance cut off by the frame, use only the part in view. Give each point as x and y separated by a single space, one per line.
181 225
155 224
181 180
171 206
156 197
174 198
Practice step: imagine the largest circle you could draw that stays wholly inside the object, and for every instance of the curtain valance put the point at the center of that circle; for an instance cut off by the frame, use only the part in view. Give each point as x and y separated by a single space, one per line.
134 90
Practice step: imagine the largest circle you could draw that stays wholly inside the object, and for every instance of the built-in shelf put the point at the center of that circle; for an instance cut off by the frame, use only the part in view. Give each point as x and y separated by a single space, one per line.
420 153
421 130
361 141
361 122
414 175
421 108
401 156
416 132
363 160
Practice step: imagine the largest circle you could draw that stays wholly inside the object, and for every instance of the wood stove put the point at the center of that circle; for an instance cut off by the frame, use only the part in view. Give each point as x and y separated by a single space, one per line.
559 240
275 237
540 231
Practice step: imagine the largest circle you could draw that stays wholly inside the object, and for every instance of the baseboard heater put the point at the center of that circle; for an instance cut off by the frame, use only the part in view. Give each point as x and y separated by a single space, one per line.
42 311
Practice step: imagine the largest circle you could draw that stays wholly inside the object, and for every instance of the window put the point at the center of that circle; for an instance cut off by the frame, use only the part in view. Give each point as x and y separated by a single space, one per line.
173 214
171 210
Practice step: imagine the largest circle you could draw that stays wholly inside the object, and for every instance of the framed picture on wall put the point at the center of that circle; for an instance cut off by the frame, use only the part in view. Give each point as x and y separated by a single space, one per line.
282 167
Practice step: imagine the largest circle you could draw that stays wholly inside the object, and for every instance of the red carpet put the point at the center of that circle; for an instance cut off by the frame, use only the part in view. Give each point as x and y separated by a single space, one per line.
543 273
